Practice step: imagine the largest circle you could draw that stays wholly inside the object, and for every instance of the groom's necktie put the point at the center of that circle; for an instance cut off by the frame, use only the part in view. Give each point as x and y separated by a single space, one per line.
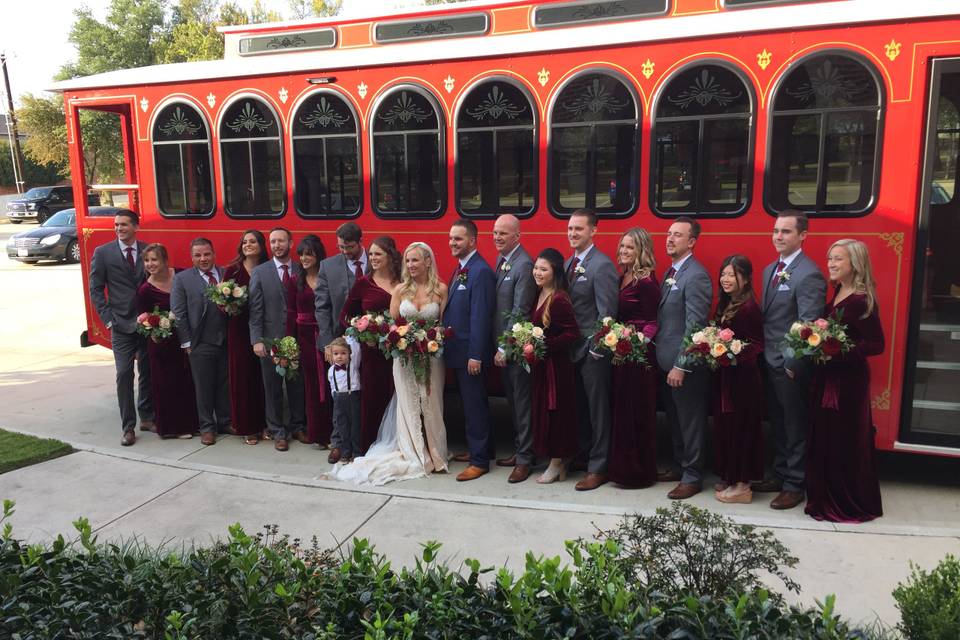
456 272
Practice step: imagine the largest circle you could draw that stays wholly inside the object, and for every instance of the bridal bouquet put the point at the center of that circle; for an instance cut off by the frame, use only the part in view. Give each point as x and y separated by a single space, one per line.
712 346
416 344
623 341
819 340
523 343
156 325
369 328
286 356
229 296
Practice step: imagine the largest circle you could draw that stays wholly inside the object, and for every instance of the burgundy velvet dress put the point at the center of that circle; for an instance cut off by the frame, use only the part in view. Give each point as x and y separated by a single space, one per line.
737 407
246 384
171 383
633 439
376 372
316 395
553 410
842 483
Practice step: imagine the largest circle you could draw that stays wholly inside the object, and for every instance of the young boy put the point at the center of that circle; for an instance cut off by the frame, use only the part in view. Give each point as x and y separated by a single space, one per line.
344 378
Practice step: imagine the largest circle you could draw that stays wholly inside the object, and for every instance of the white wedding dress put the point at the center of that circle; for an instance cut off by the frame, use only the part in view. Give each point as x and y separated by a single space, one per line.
400 451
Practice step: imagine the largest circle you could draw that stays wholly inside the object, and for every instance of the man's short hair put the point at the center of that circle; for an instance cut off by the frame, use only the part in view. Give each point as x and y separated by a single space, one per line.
199 242
134 217
589 214
694 225
285 230
349 232
469 225
803 222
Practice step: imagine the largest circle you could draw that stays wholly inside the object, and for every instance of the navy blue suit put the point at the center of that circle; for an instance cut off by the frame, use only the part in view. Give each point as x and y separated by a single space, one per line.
469 311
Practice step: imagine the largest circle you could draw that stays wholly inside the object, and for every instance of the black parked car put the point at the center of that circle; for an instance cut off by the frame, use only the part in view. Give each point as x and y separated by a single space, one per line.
55 239
40 203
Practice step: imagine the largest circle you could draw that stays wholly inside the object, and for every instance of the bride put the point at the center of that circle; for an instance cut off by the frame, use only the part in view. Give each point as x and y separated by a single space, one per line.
412 440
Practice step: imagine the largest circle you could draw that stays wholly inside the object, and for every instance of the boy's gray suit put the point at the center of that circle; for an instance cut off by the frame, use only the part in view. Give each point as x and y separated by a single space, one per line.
685 304
800 296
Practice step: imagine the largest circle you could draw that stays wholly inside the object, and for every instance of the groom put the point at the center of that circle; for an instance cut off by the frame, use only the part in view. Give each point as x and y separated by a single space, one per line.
469 311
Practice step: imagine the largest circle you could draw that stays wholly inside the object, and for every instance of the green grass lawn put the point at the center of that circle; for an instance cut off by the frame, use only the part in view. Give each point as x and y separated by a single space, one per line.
18 450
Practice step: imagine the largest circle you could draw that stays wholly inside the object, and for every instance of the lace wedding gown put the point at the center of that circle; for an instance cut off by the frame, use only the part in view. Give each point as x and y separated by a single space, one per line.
400 451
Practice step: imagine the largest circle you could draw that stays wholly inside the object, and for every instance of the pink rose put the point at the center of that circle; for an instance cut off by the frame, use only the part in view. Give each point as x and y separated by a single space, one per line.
142 317
363 323
726 335
821 323
527 349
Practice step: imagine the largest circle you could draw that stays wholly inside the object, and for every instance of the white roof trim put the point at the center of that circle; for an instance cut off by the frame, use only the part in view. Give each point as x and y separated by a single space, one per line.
594 35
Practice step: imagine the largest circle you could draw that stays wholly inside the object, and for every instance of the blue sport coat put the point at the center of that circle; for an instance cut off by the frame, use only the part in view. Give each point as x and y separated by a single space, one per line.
469 311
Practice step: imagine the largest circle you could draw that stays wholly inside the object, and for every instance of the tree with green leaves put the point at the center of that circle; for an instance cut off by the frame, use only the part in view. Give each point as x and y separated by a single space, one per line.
300 9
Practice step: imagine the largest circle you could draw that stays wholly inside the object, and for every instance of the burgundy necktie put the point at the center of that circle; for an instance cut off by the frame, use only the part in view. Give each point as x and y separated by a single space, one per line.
456 272
500 263
573 268
130 260
357 269
780 267
286 275
211 279
670 273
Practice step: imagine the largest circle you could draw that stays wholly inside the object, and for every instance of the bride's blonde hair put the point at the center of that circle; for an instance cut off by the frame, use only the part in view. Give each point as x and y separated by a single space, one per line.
407 288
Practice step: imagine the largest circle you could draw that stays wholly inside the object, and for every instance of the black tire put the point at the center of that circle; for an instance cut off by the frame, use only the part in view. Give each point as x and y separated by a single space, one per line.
72 253
30 261
43 214
12 221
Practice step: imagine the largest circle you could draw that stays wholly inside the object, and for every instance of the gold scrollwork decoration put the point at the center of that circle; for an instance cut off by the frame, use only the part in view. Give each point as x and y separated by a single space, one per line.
882 401
543 76
763 59
647 68
892 49
894 240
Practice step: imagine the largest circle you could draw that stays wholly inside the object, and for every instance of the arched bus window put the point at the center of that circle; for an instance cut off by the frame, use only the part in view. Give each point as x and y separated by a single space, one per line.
326 156
825 143
252 159
181 161
701 160
408 164
593 146
496 151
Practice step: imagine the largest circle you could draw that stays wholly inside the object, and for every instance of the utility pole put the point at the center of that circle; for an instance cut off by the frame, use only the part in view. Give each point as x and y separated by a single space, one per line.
12 128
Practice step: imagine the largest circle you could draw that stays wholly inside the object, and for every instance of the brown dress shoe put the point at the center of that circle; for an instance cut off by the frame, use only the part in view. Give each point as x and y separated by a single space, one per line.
683 491
461 457
668 476
769 485
280 444
208 438
591 482
128 438
334 456
507 462
520 473
787 500
471 473
148 425
301 437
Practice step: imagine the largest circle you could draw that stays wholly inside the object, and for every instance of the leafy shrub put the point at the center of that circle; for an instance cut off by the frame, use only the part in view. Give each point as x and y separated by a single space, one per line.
929 603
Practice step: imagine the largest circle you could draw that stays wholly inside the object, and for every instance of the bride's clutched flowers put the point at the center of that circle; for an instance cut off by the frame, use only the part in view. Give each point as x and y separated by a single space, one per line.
415 344
523 343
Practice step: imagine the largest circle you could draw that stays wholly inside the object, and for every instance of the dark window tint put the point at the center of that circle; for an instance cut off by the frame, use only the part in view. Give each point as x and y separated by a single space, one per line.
252 160
326 159
572 13
431 28
181 160
495 151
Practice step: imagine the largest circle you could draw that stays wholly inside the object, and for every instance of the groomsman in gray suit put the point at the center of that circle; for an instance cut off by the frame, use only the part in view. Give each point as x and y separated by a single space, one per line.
334 281
271 284
793 289
202 329
594 292
685 297
116 272
515 295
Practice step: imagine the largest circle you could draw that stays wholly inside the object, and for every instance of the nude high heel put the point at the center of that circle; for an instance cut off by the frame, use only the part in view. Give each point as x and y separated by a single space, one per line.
557 470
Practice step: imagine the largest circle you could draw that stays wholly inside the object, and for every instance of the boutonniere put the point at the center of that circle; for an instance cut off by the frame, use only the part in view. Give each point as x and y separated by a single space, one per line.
670 282
784 276
505 267
462 276
579 270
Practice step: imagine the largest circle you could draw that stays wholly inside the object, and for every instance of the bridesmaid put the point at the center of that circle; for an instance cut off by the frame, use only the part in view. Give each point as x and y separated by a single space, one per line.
312 366
246 386
842 483
633 444
737 415
170 381
371 294
553 413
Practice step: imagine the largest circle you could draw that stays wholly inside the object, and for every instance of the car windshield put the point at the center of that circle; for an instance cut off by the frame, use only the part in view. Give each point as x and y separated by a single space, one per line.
65 218
36 193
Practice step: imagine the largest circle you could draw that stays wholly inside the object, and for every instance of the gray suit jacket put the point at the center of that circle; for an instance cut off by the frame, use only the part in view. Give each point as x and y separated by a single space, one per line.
189 302
683 306
516 290
110 271
595 294
334 280
268 302
800 297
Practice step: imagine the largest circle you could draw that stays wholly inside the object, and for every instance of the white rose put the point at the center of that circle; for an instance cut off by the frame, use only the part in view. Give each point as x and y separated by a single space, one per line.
736 346
537 332
164 323
225 289
172 317
238 292
517 327
607 320
795 327
698 337
378 319
402 344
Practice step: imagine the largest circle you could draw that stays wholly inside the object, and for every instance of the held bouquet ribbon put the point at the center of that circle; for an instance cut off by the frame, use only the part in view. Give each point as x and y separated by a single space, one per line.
524 343
229 296
712 346
416 344
285 353
156 325
369 328
621 340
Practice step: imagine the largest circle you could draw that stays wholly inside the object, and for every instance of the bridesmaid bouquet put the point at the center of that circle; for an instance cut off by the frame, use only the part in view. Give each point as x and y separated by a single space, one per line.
416 344
369 328
523 343
819 340
621 340
156 325
286 356
229 296
712 346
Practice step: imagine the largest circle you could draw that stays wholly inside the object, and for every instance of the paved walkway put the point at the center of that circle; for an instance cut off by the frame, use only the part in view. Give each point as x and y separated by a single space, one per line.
177 491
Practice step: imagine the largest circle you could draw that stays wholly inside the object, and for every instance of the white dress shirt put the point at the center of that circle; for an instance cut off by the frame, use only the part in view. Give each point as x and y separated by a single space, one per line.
348 380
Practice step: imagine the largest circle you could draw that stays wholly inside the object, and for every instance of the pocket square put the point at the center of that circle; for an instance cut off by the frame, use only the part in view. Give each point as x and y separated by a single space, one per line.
462 287
582 279
507 278
674 288
783 287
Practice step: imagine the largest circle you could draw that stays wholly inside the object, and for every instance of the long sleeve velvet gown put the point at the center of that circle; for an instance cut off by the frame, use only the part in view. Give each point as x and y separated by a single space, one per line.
633 438
376 372
737 408
243 366
171 383
553 410
316 397
842 482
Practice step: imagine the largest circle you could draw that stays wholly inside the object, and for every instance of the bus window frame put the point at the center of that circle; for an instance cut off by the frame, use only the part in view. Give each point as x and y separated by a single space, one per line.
751 119
881 111
535 127
184 100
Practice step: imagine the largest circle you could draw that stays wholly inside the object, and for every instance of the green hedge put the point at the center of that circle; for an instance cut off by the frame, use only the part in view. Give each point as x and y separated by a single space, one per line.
929 603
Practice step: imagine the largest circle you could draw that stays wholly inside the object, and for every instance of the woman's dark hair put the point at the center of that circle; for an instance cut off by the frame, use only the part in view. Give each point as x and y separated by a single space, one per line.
313 245
262 257
389 247
555 259
728 305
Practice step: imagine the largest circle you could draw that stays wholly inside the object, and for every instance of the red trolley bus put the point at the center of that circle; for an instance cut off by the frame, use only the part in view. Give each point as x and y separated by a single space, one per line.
644 110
